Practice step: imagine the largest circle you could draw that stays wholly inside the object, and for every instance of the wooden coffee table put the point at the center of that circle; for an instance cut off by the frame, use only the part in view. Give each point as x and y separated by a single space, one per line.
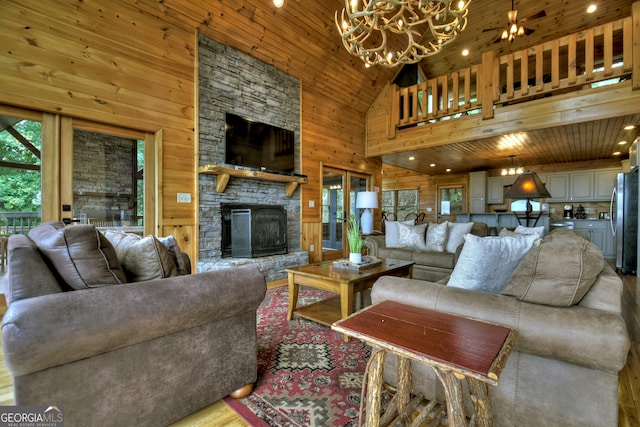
457 348
344 282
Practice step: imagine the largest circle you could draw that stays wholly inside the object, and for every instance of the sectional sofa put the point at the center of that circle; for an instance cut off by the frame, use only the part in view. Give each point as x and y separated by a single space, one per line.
564 301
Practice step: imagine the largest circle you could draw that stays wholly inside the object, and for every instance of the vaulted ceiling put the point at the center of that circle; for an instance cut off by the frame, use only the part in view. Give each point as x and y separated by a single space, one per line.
301 39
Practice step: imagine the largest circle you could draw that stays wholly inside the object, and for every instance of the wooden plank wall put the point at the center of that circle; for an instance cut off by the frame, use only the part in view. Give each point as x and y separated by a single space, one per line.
132 64
107 62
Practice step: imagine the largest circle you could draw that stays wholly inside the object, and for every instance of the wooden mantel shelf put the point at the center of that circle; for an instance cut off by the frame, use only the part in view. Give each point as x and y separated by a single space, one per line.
225 173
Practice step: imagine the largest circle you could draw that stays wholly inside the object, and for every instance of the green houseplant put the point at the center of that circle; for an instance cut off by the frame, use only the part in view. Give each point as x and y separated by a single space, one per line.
355 240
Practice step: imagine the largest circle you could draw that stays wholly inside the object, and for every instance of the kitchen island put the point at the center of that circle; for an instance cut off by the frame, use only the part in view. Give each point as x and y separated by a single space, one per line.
496 221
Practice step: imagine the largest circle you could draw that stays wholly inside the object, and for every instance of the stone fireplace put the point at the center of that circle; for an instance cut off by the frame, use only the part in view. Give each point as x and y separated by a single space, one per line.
252 231
230 81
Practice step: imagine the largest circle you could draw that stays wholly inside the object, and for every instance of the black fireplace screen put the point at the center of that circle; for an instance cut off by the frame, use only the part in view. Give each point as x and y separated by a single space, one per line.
250 231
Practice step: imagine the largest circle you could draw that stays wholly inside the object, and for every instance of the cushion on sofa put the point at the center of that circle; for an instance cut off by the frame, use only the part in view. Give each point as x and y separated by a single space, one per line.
485 263
404 254
81 255
142 258
436 239
455 234
391 233
183 263
434 259
412 236
558 272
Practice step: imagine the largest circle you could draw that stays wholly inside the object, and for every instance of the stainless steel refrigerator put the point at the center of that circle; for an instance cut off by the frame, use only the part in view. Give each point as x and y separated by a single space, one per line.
623 214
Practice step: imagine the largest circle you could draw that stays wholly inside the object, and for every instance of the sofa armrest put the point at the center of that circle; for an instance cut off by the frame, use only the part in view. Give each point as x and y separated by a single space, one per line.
592 338
373 243
51 330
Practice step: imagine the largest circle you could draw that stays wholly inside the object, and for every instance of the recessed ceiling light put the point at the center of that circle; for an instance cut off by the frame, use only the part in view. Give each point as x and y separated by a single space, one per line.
411 158
622 142
465 52
448 170
432 165
278 3
629 127
616 153
592 8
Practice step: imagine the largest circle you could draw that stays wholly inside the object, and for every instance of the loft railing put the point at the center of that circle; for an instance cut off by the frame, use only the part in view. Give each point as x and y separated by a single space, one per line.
568 63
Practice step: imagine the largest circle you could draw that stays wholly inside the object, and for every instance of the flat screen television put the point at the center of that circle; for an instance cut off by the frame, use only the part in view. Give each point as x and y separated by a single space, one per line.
258 145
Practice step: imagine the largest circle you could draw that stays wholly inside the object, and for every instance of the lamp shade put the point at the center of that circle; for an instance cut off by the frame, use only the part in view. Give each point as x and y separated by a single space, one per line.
527 186
367 200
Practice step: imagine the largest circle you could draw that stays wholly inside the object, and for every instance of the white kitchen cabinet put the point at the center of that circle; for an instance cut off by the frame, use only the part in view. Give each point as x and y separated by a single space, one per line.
581 186
495 190
477 191
599 233
558 186
605 180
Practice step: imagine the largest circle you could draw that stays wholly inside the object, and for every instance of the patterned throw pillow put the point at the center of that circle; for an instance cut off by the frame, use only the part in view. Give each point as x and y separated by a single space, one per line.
437 236
486 263
391 235
412 236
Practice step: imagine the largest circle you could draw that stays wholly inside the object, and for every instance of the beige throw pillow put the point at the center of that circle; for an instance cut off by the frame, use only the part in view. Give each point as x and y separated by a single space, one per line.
437 236
455 235
412 236
142 258
558 272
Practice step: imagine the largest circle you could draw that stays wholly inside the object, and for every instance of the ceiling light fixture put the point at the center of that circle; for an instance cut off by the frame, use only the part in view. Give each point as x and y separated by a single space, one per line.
278 3
465 52
629 127
513 29
622 142
397 32
592 8
512 170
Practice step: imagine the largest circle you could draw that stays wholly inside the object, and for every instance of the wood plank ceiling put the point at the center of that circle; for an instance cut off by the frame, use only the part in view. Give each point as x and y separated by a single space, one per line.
301 39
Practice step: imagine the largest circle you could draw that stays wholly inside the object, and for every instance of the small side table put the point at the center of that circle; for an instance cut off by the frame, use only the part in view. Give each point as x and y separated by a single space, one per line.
457 348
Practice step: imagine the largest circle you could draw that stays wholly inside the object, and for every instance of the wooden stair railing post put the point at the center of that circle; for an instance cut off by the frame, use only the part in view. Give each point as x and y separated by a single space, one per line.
394 111
489 91
635 57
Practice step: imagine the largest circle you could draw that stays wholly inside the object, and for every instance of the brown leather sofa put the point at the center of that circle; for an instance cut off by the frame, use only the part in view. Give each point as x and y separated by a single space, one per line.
143 353
565 303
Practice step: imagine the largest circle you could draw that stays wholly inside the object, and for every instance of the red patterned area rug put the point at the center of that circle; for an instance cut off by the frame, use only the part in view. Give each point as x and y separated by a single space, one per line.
307 374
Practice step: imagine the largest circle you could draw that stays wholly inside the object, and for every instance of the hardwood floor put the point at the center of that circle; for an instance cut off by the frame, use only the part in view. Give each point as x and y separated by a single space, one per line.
219 414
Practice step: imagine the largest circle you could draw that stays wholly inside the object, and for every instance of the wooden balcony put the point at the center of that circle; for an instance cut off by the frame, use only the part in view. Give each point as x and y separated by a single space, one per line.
575 64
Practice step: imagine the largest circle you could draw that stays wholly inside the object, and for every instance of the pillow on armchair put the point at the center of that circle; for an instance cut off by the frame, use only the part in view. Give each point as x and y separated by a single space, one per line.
142 258
80 254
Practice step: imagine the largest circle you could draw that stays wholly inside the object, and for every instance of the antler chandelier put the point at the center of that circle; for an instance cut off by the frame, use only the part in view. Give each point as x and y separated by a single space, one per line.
395 32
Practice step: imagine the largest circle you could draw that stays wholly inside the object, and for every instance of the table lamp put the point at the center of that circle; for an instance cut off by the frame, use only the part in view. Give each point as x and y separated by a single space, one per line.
367 200
527 186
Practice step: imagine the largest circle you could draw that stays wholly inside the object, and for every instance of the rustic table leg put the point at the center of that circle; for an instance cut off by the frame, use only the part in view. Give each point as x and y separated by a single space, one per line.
346 302
481 398
293 295
453 391
374 388
404 383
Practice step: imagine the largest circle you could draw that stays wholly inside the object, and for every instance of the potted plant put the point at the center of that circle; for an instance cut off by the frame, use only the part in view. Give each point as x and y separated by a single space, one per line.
355 240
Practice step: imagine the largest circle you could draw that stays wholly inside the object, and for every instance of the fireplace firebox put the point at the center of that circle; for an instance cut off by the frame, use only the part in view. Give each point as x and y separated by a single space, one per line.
250 231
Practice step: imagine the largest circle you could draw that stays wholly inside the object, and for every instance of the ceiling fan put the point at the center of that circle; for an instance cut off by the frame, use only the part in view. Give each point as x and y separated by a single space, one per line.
514 27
